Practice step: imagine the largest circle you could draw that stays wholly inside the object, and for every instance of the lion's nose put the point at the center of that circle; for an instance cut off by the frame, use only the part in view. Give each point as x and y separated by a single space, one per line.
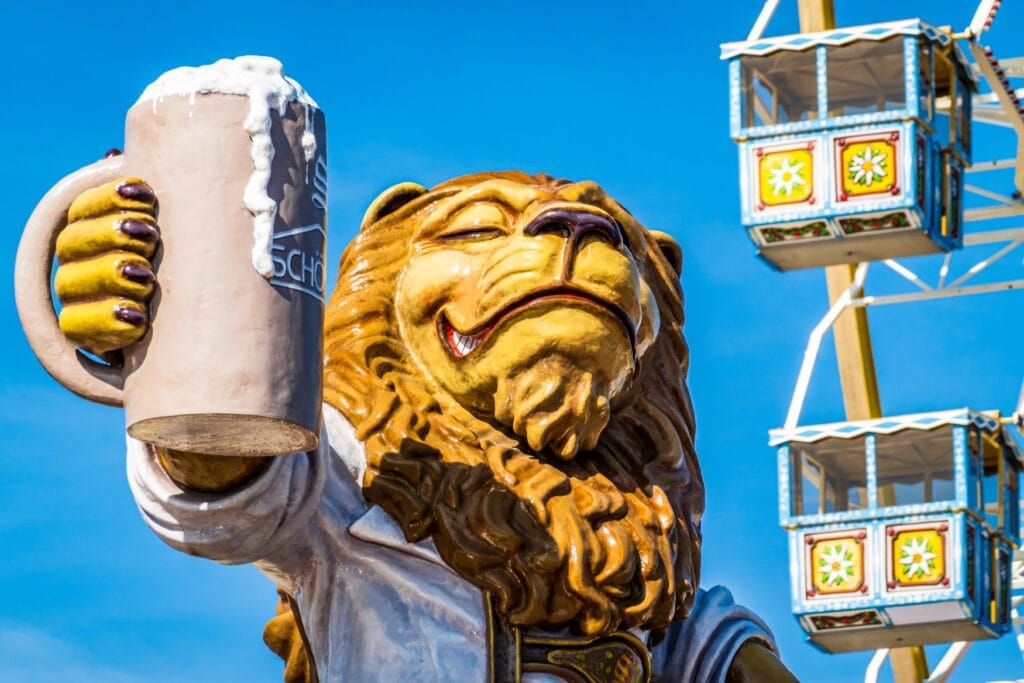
576 225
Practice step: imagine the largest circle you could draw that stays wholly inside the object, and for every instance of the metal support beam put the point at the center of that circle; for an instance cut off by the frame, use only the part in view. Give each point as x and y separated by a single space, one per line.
990 236
982 265
841 303
997 165
907 274
875 666
1007 96
851 332
953 655
767 12
816 15
943 293
909 664
983 16
853 350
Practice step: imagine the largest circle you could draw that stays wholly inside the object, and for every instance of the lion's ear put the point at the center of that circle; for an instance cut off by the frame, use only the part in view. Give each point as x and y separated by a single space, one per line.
390 200
670 248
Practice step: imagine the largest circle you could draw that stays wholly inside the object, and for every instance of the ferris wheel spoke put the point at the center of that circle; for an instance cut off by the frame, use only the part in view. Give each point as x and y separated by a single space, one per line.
984 16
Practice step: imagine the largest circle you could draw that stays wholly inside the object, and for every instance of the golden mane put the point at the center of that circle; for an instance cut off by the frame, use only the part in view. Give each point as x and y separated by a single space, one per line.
608 540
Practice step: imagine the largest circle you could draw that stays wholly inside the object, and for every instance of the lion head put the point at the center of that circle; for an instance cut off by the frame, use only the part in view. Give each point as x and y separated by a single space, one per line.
509 349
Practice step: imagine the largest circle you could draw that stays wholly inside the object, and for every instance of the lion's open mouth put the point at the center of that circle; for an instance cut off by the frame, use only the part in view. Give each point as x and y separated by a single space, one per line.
461 344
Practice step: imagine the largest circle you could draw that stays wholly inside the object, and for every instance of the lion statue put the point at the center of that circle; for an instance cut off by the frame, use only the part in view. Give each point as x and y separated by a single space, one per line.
507 487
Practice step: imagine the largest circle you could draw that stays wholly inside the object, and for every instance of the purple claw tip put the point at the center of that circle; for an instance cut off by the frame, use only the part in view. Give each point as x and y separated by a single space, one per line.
112 152
130 315
139 230
138 191
137 273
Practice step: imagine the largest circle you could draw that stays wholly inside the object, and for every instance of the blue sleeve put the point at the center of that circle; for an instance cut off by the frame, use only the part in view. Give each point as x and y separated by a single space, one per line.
701 648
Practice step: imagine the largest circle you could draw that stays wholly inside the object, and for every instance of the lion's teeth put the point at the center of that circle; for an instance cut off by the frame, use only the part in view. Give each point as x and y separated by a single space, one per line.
464 344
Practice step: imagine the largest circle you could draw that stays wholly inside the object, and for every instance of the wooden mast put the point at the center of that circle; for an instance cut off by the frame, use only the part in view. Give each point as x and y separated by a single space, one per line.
853 351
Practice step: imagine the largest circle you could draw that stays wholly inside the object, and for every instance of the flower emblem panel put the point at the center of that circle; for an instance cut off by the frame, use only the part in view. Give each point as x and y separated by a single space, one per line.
835 563
917 556
785 175
867 165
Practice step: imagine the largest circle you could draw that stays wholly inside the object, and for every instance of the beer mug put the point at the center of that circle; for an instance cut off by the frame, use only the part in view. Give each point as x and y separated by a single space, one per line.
232 362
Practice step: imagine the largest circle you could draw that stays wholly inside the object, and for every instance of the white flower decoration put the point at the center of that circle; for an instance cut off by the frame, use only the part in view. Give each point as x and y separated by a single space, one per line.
867 166
916 558
786 177
834 564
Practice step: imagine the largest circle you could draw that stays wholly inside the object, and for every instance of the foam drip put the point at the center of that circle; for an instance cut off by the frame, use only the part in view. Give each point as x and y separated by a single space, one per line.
262 81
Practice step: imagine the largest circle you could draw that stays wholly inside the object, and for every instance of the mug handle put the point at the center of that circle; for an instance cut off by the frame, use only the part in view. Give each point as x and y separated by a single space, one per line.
33 289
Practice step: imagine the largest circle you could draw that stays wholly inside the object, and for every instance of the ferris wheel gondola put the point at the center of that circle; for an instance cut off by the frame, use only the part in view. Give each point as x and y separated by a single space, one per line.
844 156
901 529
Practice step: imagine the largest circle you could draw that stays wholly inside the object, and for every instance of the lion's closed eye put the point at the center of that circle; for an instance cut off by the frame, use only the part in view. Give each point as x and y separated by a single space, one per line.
476 222
476 232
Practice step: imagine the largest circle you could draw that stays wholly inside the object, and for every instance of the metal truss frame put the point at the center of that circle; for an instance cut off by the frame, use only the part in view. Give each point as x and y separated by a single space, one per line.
854 297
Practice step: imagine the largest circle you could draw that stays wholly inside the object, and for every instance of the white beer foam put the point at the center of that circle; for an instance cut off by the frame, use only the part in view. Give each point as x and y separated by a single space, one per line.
262 80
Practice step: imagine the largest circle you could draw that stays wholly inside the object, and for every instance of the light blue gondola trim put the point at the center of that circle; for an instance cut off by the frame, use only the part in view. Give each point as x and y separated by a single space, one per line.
886 425
801 41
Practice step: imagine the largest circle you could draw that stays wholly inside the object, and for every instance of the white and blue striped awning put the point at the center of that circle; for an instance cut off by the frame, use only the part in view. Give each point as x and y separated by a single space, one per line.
838 36
986 421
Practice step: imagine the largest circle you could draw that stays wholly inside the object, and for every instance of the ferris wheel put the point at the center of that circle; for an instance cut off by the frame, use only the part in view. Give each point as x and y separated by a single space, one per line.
855 149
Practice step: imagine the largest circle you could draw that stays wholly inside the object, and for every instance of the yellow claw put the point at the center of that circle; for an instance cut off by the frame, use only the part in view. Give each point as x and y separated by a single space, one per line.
133 231
99 327
127 194
114 274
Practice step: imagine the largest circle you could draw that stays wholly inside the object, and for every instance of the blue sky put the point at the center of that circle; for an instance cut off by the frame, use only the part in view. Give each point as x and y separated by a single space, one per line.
631 95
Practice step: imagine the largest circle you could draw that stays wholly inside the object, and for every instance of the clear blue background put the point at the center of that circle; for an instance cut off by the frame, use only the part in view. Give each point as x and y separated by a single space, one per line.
630 94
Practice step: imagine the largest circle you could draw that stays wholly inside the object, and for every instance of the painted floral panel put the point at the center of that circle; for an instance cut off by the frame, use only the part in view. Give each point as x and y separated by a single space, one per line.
785 176
868 167
918 557
837 565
